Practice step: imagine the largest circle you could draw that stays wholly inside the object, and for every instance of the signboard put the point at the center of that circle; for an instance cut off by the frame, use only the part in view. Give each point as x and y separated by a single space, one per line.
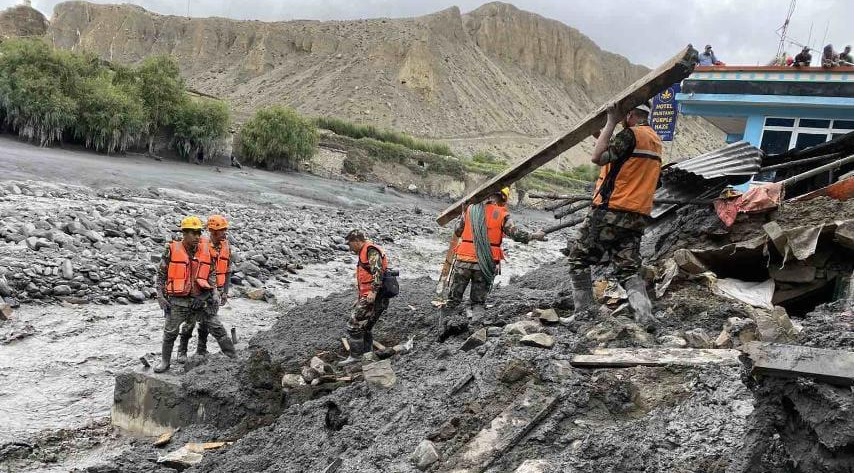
665 112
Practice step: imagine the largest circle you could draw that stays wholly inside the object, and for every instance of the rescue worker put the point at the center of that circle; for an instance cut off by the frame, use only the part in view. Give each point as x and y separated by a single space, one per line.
222 262
186 286
371 264
492 218
624 194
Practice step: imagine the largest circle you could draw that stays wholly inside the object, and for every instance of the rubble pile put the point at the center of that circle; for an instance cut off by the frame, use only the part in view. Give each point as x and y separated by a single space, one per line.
77 245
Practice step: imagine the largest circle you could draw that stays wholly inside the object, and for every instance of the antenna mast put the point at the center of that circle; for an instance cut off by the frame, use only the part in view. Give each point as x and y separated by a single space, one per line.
782 29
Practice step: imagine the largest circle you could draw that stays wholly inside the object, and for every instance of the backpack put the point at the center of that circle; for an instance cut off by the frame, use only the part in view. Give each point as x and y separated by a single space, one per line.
389 284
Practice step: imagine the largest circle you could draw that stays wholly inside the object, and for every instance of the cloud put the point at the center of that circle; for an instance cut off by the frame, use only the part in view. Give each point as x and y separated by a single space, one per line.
741 32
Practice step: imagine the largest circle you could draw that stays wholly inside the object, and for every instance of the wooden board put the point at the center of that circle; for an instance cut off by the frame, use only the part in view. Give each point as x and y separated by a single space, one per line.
674 70
830 366
504 432
627 357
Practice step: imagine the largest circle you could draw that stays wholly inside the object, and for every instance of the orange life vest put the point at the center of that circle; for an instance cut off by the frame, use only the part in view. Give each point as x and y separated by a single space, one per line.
495 216
186 276
364 277
221 263
629 184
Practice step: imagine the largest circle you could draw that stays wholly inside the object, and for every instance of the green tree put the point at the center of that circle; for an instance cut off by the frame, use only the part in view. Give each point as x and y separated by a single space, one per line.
111 117
200 124
163 93
277 138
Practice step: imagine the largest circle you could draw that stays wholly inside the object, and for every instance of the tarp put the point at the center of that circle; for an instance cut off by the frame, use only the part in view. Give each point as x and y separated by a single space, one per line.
761 198
757 294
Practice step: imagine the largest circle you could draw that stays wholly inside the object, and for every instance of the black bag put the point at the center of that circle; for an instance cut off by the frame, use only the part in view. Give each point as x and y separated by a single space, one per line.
389 284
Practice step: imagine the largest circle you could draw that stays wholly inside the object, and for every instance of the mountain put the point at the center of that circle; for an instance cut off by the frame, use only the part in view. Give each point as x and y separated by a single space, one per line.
496 78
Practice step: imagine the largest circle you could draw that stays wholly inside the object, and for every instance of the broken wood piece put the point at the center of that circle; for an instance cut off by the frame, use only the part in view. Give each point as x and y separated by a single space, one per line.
674 70
460 384
504 432
346 344
165 438
145 362
829 366
628 357
378 346
334 465
560 226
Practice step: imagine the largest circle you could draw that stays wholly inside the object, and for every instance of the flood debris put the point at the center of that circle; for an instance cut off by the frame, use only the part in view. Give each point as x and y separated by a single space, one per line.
830 366
627 357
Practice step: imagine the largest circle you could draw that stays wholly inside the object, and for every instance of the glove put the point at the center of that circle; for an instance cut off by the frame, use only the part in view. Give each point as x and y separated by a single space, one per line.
370 298
163 302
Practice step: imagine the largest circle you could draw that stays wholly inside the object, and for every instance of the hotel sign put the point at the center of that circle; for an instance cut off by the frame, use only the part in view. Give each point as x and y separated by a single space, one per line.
665 112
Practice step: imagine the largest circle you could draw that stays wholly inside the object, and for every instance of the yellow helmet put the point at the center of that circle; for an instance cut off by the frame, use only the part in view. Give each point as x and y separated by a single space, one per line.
505 192
191 223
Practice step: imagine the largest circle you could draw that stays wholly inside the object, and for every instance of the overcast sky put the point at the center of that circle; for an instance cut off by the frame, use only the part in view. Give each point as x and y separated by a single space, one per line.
741 31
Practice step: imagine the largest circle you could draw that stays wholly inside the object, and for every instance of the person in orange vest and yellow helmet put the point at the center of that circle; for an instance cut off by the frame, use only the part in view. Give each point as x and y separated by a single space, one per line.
222 263
478 255
186 286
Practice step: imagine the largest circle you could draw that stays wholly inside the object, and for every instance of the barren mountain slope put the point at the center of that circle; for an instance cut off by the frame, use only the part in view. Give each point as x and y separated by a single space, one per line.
497 78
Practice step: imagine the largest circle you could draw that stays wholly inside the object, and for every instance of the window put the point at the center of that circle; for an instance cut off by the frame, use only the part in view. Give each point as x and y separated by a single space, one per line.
782 134
789 122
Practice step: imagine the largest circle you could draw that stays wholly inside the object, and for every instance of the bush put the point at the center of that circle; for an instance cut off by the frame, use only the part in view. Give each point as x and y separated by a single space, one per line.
111 118
36 93
357 163
200 125
357 131
277 137
163 92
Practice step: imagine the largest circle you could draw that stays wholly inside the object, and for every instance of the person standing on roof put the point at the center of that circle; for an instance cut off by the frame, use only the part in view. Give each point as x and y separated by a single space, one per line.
222 263
186 285
707 57
624 194
370 304
478 255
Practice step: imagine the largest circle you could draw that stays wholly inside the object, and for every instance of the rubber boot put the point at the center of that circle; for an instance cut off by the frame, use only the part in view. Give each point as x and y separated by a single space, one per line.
640 303
226 346
355 351
166 354
181 356
581 287
202 340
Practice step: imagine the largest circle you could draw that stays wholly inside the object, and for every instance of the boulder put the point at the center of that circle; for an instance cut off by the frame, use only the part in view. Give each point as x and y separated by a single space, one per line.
320 366
522 327
136 296
257 294
67 269
379 373
697 338
292 381
61 290
309 374
541 340
181 458
254 282
774 326
476 339
672 341
425 455
547 316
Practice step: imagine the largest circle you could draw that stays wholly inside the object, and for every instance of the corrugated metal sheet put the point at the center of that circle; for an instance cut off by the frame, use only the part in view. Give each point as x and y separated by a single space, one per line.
709 191
737 159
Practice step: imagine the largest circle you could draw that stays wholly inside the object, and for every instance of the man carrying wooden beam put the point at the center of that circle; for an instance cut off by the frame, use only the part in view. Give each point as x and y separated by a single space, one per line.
621 204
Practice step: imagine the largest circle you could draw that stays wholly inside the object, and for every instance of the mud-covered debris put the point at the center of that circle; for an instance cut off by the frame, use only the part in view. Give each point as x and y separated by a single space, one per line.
736 332
523 327
291 381
534 466
446 431
379 373
547 316
309 375
165 438
687 261
425 455
697 338
540 340
320 366
181 458
627 357
672 341
5 311
256 294
829 366
774 326
476 339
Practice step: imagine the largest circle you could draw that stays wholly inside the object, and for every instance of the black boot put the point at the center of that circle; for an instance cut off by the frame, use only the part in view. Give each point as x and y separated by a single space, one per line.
355 352
166 354
581 286
202 340
181 356
638 298
226 346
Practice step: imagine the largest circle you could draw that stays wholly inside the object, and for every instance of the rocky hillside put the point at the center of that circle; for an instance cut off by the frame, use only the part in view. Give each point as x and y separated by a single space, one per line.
496 78
22 21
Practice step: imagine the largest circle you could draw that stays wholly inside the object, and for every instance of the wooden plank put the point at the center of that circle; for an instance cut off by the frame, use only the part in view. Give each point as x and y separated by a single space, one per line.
628 357
504 431
674 70
830 366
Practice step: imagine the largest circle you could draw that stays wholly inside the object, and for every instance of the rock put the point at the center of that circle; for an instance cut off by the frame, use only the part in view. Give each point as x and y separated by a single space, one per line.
522 327
309 374
61 290
257 294
425 455
558 370
129 232
136 296
672 341
259 259
32 243
379 373
495 331
254 282
774 326
541 340
547 316
293 380
697 338
93 236
515 371
5 311
412 187
736 332
319 365
534 466
249 268
476 339
181 458
67 270
5 290
687 261
122 300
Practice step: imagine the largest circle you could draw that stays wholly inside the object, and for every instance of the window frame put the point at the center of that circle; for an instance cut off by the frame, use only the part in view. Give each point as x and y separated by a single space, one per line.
796 129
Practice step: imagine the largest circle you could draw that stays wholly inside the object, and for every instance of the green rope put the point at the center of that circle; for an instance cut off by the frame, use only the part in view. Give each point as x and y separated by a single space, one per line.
483 246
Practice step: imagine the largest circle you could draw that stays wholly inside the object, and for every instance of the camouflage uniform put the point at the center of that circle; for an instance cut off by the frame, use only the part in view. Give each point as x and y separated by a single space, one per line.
610 236
211 312
190 309
466 273
365 314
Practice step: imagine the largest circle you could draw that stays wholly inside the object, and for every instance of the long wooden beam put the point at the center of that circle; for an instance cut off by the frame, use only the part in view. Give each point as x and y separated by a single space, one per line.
670 72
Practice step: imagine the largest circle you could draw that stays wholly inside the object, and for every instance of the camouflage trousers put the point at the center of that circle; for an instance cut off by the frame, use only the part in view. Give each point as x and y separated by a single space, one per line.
464 274
207 318
608 237
361 321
